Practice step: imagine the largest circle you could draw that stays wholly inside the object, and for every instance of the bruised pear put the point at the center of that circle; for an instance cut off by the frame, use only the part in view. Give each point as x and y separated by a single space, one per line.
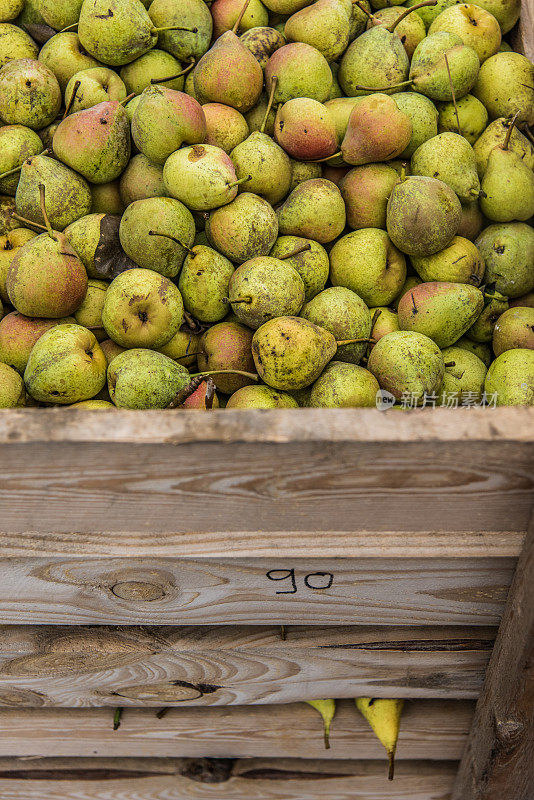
67 194
141 379
345 315
309 258
225 347
511 378
244 229
203 283
12 392
441 310
407 363
263 288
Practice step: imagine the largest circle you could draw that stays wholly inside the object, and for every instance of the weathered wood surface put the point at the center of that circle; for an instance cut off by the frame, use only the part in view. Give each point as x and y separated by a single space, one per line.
372 591
99 666
499 758
523 39
194 779
430 730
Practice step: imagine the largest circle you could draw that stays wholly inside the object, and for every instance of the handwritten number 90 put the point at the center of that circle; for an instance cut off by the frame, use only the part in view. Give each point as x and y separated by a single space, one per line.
314 580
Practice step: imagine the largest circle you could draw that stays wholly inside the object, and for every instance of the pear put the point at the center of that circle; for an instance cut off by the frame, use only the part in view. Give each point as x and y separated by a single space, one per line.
482 328
376 60
442 66
226 13
300 71
150 69
423 115
84 236
495 135
260 397
343 313
199 399
525 301
229 74
511 378
479 349
60 14
145 379
314 210
377 131
262 43
471 221
244 229
327 709
15 44
156 233
12 391
513 329
366 190
384 717
305 130
366 262
95 142
225 127
92 405
17 143
408 285
507 185
8 222
203 283
262 116
193 36
309 258
267 165
29 94
180 120
423 215
142 309
9 244
441 310
290 353
475 26
65 57
323 25
384 321
286 6
91 86
65 366
471 120
303 171
202 177
18 335
264 288
506 12
226 346
340 109
68 196
89 314
141 179
106 199
410 30
459 262
505 85
451 159
508 252
184 347
407 362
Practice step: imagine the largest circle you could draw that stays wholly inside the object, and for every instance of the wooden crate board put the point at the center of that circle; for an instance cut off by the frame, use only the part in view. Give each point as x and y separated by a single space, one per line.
98 666
250 779
430 729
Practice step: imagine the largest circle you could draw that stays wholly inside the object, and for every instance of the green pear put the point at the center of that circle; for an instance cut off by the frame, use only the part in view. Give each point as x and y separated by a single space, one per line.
434 58
195 26
262 116
408 285
441 310
203 177
508 252
66 365
262 43
303 171
228 73
84 236
227 346
12 391
366 262
95 142
459 262
204 282
7 219
471 221
305 129
494 136
264 288
474 25
375 61
384 321
513 329
429 13
91 86
156 233
511 378
410 30
184 347
300 71
482 328
323 25
423 215
290 353
366 190
17 143
29 94
179 120
464 374
18 335
60 13
142 309
267 165
344 386
450 158
506 12
407 363
340 109
480 349
141 379
106 199
9 244
227 13
15 44
140 180
65 57
505 85
89 314
260 397
225 127
92 405
343 313
377 131
244 229
67 194
111 349
423 115
314 210
508 187
152 68
309 258
471 120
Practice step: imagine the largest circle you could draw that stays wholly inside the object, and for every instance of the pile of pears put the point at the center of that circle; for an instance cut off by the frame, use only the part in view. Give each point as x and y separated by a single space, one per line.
264 204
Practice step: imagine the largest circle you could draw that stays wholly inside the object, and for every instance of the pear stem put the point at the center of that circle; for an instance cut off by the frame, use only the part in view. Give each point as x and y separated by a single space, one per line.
509 131
272 90
174 28
172 238
69 28
403 175
391 769
174 77
239 182
356 341
43 211
363 8
450 363
126 99
30 222
247 300
72 99
375 317
240 17
117 718
326 158
10 172
453 94
283 633
384 88
250 375
409 11
297 251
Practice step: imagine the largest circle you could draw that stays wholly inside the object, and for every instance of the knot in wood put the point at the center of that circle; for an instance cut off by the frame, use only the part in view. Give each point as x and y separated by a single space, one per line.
508 730
138 590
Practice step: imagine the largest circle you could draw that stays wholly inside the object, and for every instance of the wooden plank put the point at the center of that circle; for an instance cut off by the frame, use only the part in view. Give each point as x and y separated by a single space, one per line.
430 730
158 591
499 758
99 666
523 36
250 779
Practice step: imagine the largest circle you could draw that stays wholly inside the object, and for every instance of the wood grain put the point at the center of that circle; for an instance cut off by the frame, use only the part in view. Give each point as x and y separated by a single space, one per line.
249 779
430 730
156 591
100 666
499 758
